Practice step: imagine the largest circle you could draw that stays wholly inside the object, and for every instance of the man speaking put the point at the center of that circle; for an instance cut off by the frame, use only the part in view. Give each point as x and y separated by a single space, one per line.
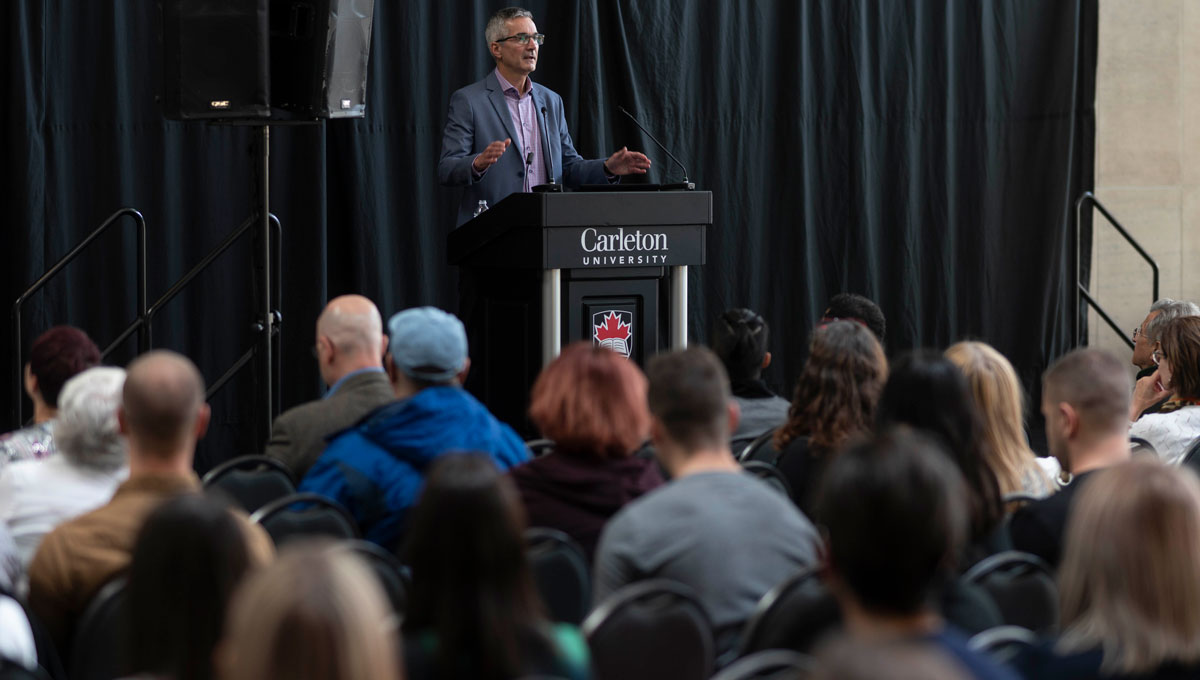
505 134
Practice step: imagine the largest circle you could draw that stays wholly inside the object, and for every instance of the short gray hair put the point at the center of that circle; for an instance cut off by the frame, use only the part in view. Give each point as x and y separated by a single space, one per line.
86 430
495 25
1168 310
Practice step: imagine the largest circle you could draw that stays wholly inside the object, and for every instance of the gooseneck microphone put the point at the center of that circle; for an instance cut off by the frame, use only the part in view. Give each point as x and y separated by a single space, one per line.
689 186
550 185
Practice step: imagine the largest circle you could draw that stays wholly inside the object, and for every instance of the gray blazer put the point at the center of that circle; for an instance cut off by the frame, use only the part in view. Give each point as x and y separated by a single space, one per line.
479 116
299 434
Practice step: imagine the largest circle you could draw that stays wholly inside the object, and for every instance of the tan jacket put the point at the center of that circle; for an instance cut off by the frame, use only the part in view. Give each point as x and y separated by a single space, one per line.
81 555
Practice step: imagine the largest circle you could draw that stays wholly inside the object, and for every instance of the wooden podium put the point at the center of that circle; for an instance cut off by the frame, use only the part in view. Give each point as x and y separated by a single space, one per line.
541 270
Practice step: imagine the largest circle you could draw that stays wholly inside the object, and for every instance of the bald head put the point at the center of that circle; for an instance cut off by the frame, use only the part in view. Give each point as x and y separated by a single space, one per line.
349 337
162 404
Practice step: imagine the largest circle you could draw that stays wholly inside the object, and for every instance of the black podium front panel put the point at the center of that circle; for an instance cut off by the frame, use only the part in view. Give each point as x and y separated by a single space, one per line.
620 314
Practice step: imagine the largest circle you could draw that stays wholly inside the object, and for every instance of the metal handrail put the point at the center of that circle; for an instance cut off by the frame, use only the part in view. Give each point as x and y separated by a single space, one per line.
206 262
1083 292
142 324
139 324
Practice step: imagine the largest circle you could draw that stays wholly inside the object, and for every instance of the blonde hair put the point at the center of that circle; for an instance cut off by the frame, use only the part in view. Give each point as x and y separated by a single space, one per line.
317 613
1000 403
1130 577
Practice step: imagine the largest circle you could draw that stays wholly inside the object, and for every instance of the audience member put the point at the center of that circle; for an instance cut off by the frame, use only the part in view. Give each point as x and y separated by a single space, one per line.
17 644
1000 403
189 556
1146 340
55 356
724 533
847 658
376 468
1176 425
592 403
853 307
739 339
1130 596
317 613
349 351
1147 335
834 402
895 512
10 563
162 415
38 495
1085 400
473 612
924 390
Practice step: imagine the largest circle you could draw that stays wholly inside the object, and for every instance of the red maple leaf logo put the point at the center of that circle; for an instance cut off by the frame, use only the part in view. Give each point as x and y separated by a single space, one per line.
613 329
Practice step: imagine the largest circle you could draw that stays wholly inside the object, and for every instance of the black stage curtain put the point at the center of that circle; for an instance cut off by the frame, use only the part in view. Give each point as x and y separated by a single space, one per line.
923 153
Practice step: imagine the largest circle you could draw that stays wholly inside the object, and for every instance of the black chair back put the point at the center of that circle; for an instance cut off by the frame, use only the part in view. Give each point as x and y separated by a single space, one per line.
305 515
11 670
769 474
1141 447
395 578
1192 457
793 615
760 448
1003 643
560 572
98 647
650 630
1022 586
540 447
250 481
769 664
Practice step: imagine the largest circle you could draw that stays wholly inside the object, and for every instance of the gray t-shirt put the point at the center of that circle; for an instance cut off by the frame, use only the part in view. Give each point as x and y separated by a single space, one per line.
760 415
728 536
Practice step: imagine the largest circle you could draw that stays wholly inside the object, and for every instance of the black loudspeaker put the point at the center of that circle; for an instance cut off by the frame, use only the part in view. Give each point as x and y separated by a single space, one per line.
216 59
319 51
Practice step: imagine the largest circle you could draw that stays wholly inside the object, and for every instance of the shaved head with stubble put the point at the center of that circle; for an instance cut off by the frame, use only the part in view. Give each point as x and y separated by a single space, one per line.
163 412
349 337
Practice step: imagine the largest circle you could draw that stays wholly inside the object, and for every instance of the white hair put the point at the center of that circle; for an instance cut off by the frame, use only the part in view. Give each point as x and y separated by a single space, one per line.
497 24
1168 310
86 430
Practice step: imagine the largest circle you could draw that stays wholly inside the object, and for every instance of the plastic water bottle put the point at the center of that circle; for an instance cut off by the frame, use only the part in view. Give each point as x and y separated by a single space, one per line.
480 208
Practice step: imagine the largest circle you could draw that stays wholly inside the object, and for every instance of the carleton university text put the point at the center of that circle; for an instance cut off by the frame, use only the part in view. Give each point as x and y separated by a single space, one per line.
644 248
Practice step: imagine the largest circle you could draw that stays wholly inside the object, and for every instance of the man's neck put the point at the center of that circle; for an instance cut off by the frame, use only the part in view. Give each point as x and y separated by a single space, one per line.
1106 452
518 80
875 626
141 464
704 460
353 366
43 412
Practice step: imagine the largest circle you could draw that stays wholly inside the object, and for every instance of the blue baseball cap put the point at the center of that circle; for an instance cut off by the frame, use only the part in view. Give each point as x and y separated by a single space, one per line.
427 343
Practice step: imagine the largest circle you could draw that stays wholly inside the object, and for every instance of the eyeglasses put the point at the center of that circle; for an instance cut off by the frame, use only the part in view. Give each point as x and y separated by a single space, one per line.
524 38
1138 331
1158 356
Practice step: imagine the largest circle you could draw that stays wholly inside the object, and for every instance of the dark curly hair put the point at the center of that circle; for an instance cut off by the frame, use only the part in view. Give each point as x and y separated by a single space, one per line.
837 392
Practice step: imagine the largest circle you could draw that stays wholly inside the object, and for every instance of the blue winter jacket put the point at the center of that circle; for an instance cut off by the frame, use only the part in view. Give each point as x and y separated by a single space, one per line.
375 469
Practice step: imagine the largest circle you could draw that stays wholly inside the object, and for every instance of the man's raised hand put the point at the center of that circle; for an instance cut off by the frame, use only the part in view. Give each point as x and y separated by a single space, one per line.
626 162
490 155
